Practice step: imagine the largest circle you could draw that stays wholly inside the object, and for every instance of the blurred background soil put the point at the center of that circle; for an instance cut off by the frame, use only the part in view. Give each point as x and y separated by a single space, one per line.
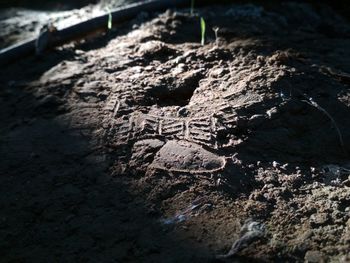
22 19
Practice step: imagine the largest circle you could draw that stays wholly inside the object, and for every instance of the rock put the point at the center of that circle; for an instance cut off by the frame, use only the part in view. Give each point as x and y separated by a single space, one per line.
155 49
314 256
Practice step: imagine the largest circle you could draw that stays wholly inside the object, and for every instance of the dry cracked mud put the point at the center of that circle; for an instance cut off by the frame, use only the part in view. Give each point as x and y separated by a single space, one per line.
144 146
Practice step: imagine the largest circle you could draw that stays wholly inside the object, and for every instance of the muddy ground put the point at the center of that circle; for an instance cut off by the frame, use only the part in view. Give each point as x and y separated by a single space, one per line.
142 145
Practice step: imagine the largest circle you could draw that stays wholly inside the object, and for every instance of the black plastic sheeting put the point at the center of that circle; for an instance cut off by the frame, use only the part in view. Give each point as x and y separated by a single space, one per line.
65 35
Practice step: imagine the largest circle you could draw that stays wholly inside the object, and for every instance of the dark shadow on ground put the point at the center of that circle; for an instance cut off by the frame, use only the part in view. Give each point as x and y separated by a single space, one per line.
59 202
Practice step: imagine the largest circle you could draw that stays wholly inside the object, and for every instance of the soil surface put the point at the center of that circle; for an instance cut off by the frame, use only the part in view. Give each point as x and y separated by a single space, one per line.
142 145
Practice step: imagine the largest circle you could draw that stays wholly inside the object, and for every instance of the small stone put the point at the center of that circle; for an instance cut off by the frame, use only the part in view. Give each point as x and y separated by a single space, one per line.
314 256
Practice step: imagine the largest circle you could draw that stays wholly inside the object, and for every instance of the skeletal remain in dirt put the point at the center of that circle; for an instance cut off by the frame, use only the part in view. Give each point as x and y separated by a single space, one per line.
250 232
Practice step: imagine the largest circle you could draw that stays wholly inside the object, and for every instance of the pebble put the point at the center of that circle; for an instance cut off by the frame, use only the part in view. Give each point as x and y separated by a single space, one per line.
313 256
